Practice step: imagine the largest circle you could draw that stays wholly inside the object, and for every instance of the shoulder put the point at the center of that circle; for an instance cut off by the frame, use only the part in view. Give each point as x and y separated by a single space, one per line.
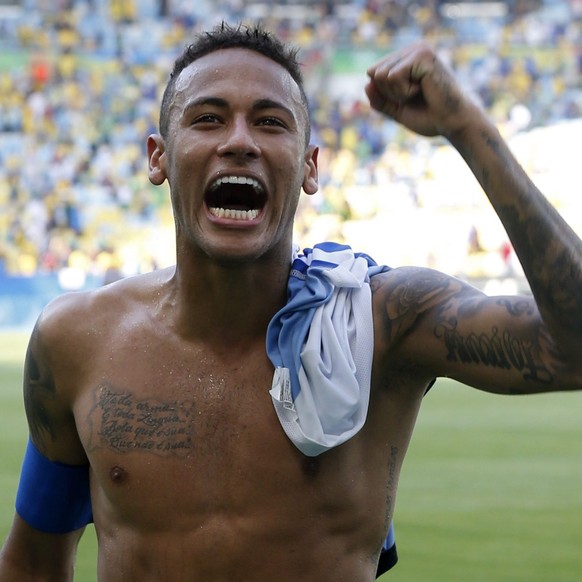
101 306
73 332
404 297
74 321
414 289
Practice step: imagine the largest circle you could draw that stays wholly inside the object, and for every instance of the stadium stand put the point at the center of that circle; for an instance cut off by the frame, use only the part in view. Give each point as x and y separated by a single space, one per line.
79 93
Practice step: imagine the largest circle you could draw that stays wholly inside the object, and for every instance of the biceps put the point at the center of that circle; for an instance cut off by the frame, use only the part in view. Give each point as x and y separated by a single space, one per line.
498 344
39 394
50 418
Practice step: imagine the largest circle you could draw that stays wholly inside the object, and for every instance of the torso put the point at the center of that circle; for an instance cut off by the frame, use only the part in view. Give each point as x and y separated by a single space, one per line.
192 475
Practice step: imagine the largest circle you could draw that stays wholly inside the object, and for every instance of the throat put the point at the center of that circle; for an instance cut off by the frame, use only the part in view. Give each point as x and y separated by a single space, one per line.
229 301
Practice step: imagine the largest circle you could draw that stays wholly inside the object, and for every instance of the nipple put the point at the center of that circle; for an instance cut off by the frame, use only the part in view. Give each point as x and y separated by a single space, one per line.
117 474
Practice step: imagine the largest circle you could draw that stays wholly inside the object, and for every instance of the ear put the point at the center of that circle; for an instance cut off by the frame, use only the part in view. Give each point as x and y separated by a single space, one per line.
156 159
310 180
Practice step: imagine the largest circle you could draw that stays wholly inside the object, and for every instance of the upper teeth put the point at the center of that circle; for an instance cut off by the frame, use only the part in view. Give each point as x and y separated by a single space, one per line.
237 180
231 212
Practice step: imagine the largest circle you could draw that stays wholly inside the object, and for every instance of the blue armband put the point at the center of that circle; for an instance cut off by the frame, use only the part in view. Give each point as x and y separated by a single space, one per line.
53 497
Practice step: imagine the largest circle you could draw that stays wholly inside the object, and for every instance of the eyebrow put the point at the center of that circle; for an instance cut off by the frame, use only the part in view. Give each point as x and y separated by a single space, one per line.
201 101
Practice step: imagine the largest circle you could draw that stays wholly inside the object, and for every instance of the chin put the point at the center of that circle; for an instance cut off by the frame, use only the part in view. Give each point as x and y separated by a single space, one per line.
234 254
239 248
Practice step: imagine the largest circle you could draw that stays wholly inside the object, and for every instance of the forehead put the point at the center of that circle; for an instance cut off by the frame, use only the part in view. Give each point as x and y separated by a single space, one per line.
237 73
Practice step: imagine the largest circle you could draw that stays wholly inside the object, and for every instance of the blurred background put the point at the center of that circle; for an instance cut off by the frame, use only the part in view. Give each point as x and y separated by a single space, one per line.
80 86
491 489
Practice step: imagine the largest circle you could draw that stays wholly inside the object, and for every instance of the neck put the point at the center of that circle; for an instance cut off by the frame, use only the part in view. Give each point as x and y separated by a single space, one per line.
228 303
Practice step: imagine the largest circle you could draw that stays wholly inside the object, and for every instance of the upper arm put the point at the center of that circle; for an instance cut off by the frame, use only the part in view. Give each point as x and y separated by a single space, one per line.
29 554
48 402
441 326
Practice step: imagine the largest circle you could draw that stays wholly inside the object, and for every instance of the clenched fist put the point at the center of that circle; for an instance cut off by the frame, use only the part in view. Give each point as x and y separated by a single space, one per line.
415 87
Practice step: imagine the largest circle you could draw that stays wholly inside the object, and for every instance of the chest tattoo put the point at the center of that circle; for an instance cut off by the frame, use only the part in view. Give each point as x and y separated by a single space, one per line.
124 423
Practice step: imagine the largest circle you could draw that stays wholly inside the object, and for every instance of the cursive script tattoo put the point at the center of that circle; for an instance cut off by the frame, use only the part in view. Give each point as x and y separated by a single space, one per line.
125 423
391 485
498 349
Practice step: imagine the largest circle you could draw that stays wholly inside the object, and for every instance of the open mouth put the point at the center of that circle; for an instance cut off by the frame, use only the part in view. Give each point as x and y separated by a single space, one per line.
236 197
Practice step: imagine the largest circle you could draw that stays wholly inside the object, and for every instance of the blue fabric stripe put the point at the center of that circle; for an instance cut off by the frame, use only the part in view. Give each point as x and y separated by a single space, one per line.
53 497
287 333
390 538
289 327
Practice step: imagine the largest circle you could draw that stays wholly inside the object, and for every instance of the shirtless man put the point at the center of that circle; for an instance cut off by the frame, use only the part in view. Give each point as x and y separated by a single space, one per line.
160 383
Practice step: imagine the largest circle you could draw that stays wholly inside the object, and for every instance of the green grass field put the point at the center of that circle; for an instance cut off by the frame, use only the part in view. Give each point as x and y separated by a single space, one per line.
491 489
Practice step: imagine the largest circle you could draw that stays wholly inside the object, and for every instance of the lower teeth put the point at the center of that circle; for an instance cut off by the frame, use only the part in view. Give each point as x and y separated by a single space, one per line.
234 214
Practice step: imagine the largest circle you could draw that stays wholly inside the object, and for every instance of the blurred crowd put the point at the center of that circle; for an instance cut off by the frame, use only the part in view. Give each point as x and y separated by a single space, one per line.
80 84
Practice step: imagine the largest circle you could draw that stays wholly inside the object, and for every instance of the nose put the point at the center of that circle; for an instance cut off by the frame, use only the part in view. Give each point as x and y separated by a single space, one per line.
239 140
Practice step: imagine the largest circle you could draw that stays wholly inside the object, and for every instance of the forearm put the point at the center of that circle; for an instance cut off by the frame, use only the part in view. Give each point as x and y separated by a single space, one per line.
15 568
29 555
16 572
548 249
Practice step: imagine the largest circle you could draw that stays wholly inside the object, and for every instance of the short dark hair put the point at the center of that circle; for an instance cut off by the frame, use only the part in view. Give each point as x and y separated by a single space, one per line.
224 36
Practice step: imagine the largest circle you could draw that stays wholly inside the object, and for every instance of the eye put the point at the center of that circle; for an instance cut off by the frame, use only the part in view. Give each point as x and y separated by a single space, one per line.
271 122
206 118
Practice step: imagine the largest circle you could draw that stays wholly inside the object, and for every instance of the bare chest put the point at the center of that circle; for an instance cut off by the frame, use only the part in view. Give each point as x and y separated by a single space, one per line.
181 425
170 402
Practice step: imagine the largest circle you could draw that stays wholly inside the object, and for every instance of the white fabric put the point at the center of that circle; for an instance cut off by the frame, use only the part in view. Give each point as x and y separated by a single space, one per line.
336 359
